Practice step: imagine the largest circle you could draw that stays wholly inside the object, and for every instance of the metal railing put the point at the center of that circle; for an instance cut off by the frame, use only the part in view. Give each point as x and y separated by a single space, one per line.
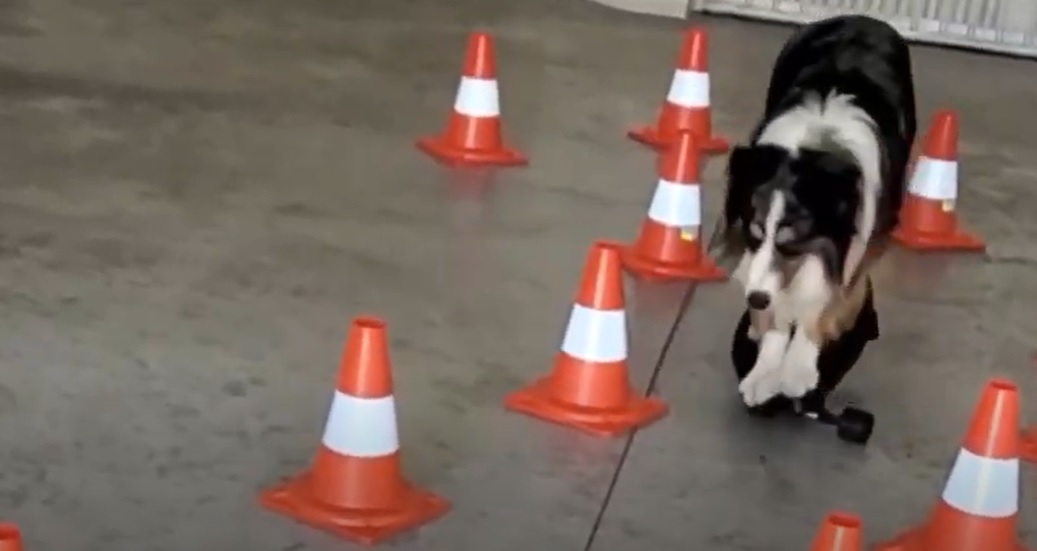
1003 26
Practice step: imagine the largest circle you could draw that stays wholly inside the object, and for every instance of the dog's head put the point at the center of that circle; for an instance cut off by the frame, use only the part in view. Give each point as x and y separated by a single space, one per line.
783 206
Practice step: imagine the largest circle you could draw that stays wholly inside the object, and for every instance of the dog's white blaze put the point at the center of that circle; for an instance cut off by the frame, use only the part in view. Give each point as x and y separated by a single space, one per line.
760 274
851 126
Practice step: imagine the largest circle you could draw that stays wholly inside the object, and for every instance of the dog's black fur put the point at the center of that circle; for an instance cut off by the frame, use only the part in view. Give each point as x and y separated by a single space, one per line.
852 73
837 358
852 55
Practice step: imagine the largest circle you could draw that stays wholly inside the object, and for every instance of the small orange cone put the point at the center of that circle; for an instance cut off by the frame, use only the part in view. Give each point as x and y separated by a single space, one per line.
838 532
589 387
10 537
979 508
355 489
928 221
473 133
669 245
1029 444
687 105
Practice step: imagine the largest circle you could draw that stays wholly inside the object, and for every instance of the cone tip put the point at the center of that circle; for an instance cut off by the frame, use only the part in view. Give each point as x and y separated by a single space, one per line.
368 323
602 285
941 140
364 370
695 50
839 519
1002 385
994 429
479 58
603 246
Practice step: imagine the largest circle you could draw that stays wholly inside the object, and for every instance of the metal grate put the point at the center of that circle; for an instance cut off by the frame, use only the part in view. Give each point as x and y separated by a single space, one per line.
1004 26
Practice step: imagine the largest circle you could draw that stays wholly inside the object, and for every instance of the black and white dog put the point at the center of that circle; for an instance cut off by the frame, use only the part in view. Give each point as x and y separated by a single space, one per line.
821 179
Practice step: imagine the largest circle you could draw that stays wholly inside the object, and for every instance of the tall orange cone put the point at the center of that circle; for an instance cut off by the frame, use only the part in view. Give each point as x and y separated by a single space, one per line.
687 104
473 133
838 532
10 537
928 218
980 503
355 488
669 245
589 388
1029 444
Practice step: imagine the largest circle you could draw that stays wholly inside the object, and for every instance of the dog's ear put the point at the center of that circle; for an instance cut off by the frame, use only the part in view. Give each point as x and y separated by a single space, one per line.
748 167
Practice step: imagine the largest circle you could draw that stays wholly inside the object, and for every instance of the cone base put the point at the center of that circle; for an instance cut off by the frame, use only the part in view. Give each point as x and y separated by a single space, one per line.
537 401
649 136
447 153
705 271
913 540
292 499
1028 445
953 242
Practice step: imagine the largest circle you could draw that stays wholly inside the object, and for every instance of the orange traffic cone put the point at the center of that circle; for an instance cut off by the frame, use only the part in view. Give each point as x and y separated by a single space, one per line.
838 532
589 388
928 220
355 488
980 503
473 132
687 104
10 537
1029 445
669 245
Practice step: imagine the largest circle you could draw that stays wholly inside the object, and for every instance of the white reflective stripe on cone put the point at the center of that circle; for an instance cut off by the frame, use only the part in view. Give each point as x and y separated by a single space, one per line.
676 205
596 335
689 89
361 427
935 179
983 487
477 97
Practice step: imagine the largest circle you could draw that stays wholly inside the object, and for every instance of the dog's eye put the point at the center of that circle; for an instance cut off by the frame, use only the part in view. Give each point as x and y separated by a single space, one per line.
784 236
756 230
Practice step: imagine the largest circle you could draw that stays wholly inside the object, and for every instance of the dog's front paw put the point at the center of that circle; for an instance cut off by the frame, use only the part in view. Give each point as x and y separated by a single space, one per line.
798 371
764 380
760 386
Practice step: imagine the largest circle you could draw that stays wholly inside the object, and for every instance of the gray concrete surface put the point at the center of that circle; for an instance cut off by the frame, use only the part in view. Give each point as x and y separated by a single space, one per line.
198 196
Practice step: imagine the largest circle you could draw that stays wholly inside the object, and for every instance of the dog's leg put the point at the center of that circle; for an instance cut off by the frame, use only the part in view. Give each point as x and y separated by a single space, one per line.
840 314
842 310
810 293
764 380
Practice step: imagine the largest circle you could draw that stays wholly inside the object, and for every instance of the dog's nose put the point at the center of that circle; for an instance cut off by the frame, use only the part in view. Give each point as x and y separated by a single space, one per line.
758 300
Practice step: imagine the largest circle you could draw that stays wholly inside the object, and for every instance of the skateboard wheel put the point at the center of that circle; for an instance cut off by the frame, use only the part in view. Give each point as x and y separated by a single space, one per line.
855 425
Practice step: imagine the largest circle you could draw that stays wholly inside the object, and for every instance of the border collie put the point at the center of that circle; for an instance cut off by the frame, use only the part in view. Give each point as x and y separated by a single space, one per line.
819 184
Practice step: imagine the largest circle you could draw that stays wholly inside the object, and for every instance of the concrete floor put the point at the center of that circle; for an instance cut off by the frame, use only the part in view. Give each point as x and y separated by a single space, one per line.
198 196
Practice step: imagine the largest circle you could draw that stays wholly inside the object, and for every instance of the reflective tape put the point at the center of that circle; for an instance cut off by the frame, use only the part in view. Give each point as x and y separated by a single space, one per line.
596 335
689 89
935 179
676 205
982 486
361 427
477 97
